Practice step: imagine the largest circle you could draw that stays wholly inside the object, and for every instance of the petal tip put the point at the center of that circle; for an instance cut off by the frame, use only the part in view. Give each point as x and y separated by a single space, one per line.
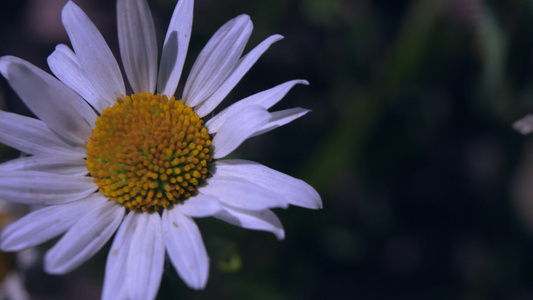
243 18
280 234
52 267
5 61
524 125
68 6
198 286
5 247
319 204
3 66
277 37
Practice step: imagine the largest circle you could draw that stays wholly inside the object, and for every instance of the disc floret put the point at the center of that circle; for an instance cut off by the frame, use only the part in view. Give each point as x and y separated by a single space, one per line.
148 152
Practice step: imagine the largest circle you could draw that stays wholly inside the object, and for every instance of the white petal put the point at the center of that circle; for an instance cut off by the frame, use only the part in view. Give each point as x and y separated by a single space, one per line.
265 99
282 117
201 206
116 269
175 48
85 238
236 129
31 187
63 110
185 248
244 65
264 220
296 191
241 193
13 287
65 66
32 136
524 125
64 165
41 225
217 60
145 258
95 57
138 48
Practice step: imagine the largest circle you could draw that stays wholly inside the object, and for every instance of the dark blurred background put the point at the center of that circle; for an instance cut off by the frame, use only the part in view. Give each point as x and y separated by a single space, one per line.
427 189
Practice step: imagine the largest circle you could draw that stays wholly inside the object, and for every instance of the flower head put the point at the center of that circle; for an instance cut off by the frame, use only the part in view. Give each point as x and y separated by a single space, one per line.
142 164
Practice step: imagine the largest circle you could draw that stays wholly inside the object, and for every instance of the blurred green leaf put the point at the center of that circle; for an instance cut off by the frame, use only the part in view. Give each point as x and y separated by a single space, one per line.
342 147
230 263
494 87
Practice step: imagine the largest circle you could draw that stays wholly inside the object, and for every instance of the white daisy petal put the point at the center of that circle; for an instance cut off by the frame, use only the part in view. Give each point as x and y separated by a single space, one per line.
41 225
86 237
296 191
282 117
185 248
264 220
31 187
32 136
95 57
524 125
201 206
241 193
217 60
116 269
146 257
64 165
66 67
237 128
244 65
265 99
175 48
138 48
64 111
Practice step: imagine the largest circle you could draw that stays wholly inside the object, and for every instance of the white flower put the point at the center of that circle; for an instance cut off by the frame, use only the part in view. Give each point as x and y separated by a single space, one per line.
140 165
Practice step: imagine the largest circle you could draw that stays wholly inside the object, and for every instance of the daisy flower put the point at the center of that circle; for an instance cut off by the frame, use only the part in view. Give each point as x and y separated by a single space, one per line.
140 165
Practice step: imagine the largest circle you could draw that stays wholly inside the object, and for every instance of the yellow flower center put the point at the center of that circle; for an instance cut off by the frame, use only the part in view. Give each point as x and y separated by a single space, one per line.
148 152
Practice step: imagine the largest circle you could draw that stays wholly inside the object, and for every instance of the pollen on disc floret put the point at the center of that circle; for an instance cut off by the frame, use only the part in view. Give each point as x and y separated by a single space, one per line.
148 152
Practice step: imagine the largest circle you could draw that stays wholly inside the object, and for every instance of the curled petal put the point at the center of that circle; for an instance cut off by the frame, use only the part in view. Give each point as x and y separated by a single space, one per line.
241 193
239 127
264 220
265 99
282 117
295 191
